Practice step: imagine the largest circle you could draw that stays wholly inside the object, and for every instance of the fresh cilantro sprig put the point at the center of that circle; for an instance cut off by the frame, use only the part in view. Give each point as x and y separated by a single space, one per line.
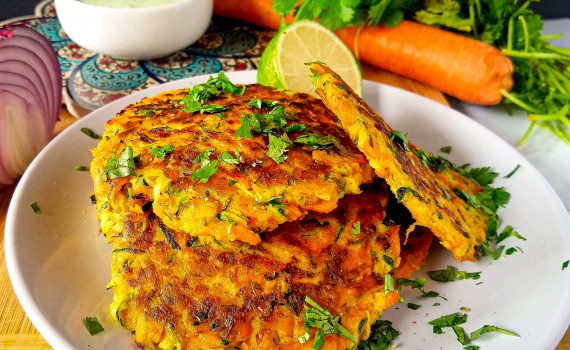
197 97
419 284
207 167
161 152
320 319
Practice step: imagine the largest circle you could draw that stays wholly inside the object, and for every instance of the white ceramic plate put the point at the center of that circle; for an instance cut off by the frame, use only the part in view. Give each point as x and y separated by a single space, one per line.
59 263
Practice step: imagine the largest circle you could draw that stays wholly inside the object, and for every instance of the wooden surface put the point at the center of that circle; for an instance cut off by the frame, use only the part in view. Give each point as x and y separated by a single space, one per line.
16 330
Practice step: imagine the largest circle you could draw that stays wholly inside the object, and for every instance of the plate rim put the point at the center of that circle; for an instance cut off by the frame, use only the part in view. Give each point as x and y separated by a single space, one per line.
33 310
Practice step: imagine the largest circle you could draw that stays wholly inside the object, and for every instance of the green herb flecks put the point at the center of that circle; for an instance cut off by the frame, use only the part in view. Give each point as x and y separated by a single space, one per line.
92 134
93 326
232 182
389 284
446 149
452 274
81 168
120 167
228 158
316 141
382 336
196 99
461 335
447 321
206 171
512 172
565 265
388 260
320 319
400 138
487 329
419 284
260 104
203 157
413 306
36 208
275 201
356 228
161 152
278 147
92 199
244 130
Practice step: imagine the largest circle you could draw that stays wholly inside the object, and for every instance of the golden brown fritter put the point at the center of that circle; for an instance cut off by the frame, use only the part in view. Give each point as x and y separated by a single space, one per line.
181 292
429 195
247 195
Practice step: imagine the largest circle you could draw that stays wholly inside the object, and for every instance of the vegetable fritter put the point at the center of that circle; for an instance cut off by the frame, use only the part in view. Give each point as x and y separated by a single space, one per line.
427 190
245 165
181 292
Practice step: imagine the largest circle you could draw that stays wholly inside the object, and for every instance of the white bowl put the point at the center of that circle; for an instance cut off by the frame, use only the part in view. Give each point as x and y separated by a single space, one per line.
135 33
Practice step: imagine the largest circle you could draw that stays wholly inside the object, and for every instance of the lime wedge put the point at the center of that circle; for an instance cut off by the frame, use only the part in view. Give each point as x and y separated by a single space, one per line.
282 64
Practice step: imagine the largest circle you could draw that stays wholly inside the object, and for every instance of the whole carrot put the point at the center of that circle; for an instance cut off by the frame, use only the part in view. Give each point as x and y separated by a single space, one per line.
467 69
258 12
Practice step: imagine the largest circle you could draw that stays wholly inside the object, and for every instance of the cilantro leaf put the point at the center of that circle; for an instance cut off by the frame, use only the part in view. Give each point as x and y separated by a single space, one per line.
161 152
92 134
389 283
461 335
206 170
565 265
413 306
382 336
487 329
450 320
196 99
228 158
259 104
245 129
400 138
36 208
446 149
120 167
318 318
93 326
316 141
452 274
278 148
275 201
295 128
507 232
356 228
204 156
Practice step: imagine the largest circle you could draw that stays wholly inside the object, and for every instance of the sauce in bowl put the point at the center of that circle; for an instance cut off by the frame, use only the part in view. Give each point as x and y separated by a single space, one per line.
128 3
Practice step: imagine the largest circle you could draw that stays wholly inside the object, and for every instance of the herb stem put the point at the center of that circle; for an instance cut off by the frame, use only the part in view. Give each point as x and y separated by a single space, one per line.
537 55
526 134
551 37
518 102
525 32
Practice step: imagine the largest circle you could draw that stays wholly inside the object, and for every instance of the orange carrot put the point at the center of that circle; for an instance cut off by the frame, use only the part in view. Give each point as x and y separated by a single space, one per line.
258 12
467 69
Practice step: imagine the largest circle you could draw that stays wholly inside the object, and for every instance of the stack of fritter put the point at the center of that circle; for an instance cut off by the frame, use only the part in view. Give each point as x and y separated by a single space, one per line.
249 218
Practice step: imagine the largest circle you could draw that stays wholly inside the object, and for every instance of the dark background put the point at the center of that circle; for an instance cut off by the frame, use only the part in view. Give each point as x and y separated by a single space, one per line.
548 8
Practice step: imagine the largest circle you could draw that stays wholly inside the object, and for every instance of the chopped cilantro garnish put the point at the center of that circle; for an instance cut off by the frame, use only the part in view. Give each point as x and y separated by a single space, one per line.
461 335
199 94
356 228
418 284
295 128
161 152
446 149
388 260
228 158
224 341
487 329
325 323
382 336
259 104
400 138
120 167
278 147
92 198
92 134
36 208
93 326
512 250
389 283
512 172
204 157
507 232
452 274
275 201
224 217
81 168
316 141
206 170
245 129
447 321
402 191
232 182
483 176
565 265
413 306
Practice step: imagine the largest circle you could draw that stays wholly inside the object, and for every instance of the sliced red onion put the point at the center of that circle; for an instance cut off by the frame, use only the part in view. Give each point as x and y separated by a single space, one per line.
30 98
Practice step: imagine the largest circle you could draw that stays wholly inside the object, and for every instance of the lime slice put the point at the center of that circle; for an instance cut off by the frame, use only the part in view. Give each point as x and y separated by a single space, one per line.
282 64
